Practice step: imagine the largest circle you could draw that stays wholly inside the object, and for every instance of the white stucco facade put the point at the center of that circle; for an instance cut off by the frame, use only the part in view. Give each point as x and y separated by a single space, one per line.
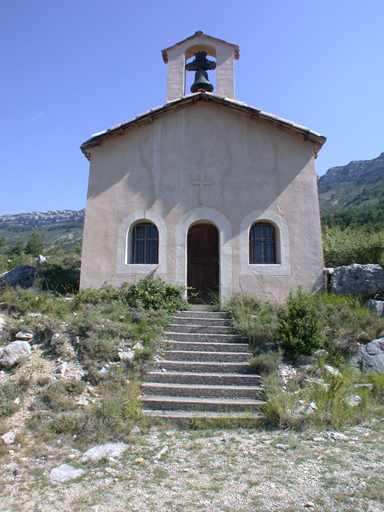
205 159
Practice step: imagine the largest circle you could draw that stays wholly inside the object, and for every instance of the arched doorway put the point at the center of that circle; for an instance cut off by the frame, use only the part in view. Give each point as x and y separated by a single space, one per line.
202 262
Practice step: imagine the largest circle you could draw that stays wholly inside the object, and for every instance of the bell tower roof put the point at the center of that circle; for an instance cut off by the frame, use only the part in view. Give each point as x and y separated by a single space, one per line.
177 55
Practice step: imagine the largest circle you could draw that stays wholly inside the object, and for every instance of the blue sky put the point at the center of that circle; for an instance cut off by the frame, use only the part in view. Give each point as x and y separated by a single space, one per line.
70 68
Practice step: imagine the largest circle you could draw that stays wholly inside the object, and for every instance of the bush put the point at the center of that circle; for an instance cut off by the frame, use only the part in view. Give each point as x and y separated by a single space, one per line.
346 321
8 393
252 318
299 325
152 293
344 247
61 275
266 362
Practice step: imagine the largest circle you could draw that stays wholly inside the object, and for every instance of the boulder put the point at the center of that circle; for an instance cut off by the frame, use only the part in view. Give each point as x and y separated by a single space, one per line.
15 353
377 306
9 438
370 356
366 280
41 259
104 450
64 473
25 336
23 276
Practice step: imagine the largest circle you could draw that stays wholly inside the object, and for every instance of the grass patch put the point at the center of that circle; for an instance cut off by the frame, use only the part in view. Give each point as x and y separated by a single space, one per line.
9 392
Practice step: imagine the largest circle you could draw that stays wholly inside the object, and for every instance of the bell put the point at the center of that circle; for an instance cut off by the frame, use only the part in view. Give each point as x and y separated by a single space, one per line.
201 82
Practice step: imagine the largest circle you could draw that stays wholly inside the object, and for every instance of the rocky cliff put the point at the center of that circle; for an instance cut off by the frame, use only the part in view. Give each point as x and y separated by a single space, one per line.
358 185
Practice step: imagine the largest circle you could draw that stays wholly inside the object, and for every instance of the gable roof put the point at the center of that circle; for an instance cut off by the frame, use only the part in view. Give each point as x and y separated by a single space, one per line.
200 34
239 106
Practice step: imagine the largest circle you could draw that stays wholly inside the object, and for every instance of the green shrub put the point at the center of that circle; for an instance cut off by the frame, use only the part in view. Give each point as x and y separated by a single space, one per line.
266 362
352 245
345 320
154 293
62 276
35 244
299 325
9 392
252 318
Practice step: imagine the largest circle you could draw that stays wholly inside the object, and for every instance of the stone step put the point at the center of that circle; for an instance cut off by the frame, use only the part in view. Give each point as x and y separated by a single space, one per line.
167 403
205 346
222 338
191 320
218 379
201 366
200 329
188 416
202 314
208 357
202 391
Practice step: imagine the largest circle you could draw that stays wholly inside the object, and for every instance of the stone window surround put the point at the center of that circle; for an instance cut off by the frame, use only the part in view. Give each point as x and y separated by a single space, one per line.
199 215
123 239
283 268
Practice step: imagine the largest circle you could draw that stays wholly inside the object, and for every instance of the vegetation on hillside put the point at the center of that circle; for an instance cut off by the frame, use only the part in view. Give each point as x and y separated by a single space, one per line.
322 389
351 245
88 330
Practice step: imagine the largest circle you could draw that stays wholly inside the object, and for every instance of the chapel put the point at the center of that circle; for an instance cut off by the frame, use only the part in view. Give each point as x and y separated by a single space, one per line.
204 191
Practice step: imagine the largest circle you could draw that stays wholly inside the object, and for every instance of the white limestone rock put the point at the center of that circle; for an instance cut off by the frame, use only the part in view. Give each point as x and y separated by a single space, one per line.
104 450
353 400
366 280
127 355
25 336
64 473
15 353
377 306
370 356
8 438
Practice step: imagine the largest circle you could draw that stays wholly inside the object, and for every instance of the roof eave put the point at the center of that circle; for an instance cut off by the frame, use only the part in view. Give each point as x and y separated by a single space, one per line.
253 112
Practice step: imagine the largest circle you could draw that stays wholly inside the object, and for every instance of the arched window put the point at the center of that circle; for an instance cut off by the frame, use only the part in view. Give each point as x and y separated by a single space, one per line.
145 243
262 243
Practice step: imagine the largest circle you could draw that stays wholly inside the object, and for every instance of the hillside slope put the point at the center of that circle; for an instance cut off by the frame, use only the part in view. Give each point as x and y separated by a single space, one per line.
356 186
58 227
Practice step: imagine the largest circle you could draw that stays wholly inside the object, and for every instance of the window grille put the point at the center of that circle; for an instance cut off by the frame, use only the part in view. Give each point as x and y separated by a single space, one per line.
145 243
262 243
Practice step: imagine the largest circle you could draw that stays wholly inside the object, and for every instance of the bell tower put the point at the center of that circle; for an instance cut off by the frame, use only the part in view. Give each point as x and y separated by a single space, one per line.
200 45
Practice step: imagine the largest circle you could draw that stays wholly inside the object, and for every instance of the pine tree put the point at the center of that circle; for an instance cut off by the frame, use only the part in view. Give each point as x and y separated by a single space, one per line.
35 244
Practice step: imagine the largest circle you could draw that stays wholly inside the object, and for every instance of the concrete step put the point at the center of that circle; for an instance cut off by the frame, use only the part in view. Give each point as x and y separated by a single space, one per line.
188 416
222 338
219 379
200 329
208 357
202 314
191 320
205 346
201 366
202 391
167 403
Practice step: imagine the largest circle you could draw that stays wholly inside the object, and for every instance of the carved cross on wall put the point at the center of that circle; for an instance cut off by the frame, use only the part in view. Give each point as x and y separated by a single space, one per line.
201 184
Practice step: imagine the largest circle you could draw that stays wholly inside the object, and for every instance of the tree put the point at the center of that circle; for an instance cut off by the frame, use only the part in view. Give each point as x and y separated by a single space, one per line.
35 244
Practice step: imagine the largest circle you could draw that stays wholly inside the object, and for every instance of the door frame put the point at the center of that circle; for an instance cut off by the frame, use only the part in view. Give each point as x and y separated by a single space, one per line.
209 216
208 277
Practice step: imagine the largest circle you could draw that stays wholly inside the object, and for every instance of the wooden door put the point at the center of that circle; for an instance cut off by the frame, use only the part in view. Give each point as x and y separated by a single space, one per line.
202 262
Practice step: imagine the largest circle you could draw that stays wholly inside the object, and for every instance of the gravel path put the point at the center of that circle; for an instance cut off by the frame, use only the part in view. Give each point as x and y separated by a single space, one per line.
207 470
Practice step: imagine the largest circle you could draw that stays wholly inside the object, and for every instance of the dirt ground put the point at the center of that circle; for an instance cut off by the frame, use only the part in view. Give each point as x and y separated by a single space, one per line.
209 470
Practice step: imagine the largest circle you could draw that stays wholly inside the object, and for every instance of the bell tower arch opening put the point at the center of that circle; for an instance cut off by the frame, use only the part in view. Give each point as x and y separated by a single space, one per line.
199 46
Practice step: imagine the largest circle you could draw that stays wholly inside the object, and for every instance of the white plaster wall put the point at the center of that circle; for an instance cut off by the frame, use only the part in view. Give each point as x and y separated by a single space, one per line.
256 171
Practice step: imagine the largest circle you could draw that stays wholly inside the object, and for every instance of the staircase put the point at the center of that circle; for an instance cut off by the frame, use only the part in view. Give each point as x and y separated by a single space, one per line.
204 372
